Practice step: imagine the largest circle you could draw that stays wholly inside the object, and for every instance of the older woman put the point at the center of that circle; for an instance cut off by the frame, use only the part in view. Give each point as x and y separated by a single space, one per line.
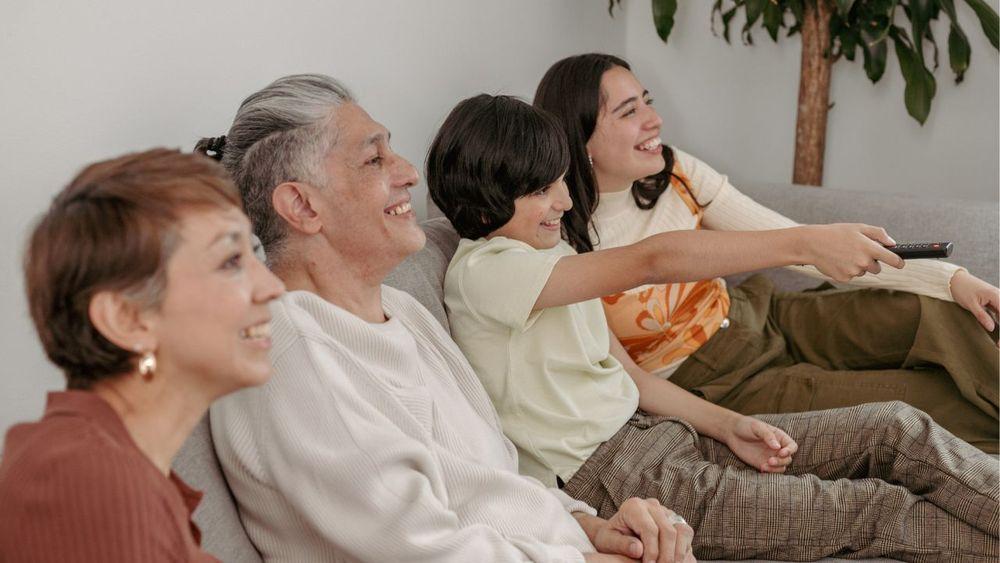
144 289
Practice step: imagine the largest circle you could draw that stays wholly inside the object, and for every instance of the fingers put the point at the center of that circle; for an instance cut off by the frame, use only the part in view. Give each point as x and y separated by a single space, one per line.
788 446
614 541
877 234
766 434
667 533
982 316
642 523
682 545
886 256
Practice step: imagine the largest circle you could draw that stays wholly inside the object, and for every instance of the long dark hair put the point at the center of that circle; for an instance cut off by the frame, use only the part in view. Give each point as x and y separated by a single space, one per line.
571 90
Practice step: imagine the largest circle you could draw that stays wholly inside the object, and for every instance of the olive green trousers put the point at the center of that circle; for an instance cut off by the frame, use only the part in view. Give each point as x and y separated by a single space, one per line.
829 348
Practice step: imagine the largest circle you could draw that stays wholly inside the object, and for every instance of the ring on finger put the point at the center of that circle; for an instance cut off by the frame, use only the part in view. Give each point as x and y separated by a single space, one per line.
677 519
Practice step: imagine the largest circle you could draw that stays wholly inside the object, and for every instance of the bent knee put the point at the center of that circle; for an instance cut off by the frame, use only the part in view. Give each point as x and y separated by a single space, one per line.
897 414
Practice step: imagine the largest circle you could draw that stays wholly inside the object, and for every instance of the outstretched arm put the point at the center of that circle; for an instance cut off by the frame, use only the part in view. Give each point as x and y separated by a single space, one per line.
841 251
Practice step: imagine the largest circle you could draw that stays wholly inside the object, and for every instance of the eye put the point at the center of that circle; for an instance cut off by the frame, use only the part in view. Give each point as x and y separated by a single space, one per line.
629 113
541 192
374 161
649 101
234 262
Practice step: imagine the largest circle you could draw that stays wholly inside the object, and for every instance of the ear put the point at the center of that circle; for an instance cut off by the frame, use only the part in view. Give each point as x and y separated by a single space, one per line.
122 322
293 202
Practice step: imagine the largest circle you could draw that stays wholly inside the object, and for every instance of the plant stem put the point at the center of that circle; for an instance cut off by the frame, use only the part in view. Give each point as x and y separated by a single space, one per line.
814 94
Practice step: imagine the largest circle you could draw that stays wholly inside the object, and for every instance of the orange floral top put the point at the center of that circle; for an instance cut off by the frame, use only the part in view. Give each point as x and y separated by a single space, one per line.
661 325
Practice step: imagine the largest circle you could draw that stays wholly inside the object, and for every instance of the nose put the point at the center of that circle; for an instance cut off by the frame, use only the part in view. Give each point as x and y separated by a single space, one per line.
653 120
563 202
267 286
405 174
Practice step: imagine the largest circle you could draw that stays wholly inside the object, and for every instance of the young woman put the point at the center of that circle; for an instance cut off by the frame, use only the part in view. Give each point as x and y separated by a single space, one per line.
750 348
144 289
877 479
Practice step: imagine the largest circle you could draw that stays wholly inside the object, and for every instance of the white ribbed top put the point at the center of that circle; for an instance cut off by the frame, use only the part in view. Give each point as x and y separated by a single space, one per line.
620 222
377 442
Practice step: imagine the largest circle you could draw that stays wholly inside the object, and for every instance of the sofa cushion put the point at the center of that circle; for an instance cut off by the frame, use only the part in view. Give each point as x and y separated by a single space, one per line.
422 273
222 533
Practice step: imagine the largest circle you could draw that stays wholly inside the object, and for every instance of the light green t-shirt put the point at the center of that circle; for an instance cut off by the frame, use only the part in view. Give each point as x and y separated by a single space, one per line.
550 374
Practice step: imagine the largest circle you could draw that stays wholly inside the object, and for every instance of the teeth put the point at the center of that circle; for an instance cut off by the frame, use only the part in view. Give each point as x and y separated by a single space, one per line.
651 144
552 222
262 330
400 209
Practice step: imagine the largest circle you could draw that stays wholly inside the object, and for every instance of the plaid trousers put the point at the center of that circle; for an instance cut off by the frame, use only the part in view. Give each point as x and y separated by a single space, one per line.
880 479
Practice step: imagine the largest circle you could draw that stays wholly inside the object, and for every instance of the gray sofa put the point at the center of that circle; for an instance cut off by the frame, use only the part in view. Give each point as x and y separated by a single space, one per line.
971 226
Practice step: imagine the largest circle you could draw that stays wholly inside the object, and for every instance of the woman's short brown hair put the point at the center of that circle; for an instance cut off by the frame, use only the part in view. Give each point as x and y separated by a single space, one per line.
112 229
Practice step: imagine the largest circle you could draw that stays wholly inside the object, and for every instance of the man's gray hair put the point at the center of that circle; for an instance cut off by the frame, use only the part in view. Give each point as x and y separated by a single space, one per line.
281 134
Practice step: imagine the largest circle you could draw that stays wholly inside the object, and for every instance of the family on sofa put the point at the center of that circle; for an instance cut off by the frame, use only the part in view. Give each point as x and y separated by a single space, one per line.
602 396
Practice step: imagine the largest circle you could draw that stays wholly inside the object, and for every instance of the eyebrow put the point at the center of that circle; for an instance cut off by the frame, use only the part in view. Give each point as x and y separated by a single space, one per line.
376 137
629 101
232 236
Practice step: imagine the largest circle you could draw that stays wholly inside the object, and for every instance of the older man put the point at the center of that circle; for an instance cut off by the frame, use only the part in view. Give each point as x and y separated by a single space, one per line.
374 439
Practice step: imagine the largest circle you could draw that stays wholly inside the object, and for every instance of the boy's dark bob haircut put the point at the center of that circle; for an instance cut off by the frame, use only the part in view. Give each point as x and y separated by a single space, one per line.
490 151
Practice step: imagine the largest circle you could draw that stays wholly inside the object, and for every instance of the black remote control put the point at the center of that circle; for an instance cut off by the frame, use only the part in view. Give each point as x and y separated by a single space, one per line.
911 250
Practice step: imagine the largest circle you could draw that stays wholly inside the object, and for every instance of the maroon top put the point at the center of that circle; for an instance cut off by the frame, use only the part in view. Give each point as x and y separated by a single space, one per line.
75 487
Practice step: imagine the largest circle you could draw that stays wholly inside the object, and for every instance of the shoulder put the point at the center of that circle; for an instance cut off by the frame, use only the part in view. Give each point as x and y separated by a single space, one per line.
93 485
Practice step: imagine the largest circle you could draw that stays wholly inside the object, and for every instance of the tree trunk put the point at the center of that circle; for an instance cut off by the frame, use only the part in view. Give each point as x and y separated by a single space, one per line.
814 94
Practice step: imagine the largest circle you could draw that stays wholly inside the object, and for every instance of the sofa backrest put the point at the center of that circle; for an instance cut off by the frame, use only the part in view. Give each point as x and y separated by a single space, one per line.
973 228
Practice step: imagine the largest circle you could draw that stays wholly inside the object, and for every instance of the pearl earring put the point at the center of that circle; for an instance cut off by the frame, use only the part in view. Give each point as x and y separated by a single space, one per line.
591 159
147 363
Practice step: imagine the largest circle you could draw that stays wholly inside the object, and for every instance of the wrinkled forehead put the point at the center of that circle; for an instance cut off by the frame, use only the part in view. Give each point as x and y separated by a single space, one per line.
355 129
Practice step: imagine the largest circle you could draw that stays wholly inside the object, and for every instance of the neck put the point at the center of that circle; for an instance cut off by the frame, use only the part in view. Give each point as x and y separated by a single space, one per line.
606 184
352 284
159 414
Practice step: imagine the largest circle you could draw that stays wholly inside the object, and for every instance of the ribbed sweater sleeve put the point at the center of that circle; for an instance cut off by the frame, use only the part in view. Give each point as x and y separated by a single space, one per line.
355 470
731 210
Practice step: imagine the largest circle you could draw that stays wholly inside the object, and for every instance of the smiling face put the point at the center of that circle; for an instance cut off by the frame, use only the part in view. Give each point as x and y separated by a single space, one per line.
211 325
537 218
365 207
626 144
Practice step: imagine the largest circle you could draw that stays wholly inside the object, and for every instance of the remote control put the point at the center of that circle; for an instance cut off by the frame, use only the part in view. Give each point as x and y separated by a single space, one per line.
911 250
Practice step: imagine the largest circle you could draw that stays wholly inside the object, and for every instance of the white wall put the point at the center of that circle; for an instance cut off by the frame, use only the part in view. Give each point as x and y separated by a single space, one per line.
81 83
734 107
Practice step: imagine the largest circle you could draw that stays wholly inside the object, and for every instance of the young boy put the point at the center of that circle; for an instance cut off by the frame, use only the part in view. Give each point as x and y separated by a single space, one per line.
524 308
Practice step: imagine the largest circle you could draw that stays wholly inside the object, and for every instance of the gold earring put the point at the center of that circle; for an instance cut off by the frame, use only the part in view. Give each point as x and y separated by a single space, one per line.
147 365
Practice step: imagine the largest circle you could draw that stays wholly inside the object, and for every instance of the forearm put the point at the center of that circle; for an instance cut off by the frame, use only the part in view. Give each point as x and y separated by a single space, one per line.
663 397
680 256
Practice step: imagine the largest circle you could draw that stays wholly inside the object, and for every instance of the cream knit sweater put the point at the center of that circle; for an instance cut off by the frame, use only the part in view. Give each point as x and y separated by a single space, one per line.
620 222
376 442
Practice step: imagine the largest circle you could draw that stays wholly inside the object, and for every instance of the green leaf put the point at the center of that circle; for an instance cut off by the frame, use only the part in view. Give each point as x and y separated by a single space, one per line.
875 53
920 85
773 19
919 13
844 6
987 18
754 8
959 52
663 17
